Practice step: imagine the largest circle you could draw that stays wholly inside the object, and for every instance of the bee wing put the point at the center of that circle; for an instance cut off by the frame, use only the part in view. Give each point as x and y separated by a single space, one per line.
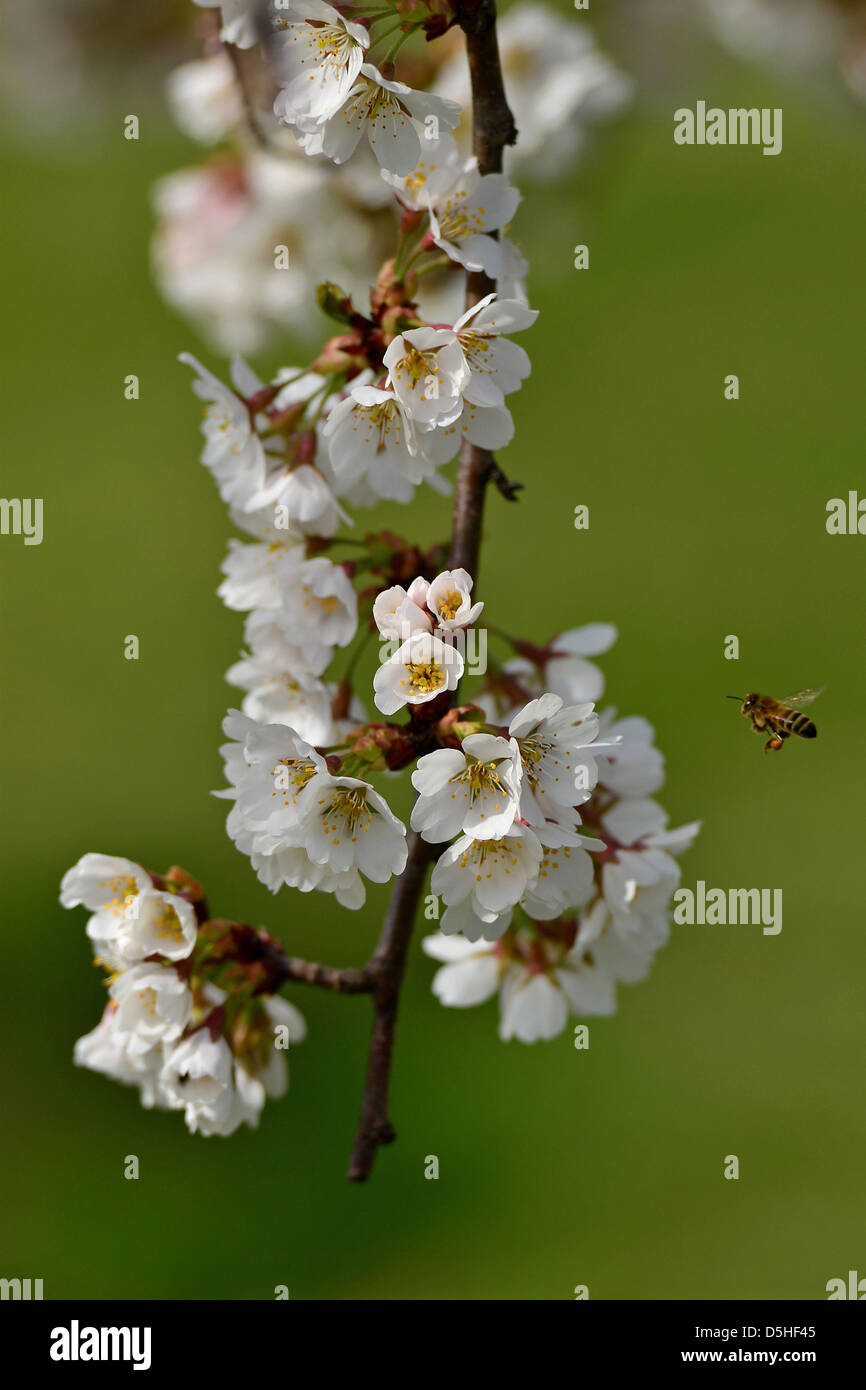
803 697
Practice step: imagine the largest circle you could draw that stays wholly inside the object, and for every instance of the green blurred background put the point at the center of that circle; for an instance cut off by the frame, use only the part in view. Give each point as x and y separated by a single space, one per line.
557 1167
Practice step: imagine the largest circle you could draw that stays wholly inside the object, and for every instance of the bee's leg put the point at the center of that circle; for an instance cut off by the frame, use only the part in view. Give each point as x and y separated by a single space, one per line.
775 742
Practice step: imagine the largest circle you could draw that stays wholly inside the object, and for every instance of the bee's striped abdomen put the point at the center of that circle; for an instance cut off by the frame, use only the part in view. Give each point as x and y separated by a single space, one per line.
794 722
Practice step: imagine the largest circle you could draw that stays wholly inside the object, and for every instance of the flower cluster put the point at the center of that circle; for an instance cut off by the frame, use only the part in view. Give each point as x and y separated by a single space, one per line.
190 1020
555 865
424 621
575 897
307 190
300 824
382 409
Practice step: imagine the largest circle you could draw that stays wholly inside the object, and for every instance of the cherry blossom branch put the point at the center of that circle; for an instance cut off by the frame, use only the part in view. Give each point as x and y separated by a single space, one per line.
382 976
494 128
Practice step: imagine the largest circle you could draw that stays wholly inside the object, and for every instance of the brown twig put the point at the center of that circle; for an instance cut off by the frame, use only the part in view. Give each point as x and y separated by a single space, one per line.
388 965
502 484
309 972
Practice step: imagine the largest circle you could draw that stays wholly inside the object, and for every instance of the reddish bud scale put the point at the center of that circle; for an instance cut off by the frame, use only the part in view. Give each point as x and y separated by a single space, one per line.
305 448
284 421
564 930
437 25
458 724
215 1022
537 655
185 886
262 399
341 701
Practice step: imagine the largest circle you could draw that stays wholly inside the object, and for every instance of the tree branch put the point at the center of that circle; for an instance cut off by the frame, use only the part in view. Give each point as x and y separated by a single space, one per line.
494 128
309 972
382 976
388 965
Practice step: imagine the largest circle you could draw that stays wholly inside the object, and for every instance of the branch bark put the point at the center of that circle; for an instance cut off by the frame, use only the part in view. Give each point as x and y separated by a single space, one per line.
493 129
309 972
388 965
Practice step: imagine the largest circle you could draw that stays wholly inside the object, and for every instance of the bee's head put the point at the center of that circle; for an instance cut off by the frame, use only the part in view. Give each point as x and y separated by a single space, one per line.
749 702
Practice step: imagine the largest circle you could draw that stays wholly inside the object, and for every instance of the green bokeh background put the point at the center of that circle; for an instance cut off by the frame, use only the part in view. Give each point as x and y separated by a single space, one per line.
557 1167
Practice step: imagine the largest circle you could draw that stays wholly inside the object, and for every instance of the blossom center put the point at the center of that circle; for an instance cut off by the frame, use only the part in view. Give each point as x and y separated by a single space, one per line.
346 810
449 604
424 676
533 751
479 778
168 925
124 890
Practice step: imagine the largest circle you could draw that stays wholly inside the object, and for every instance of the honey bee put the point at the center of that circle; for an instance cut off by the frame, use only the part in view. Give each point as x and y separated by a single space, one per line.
779 718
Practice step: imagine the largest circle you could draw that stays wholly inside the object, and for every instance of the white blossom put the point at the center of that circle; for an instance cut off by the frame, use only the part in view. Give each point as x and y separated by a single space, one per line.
131 919
497 366
197 1074
319 603
318 55
635 767
421 668
350 826
471 971
473 790
448 598
240 239
270 768
105 1049
437 170
489 427
233 451
153 1006
155 923
372 439
565 879
463 216
398 613
291 866
389 113
535 1004
256 574
106 885
277 696
564 670
428 374
559 768
300 494
480 881
537 991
